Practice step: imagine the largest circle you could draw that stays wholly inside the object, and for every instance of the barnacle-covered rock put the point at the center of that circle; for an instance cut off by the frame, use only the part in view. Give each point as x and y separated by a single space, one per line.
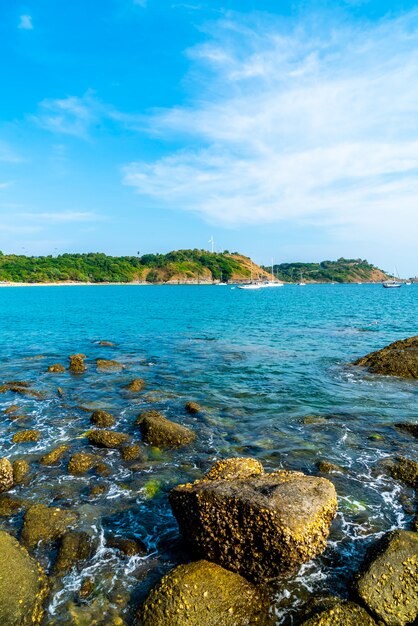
204 594
81 463
6 475
108 364
23 586
398 359
50 458
136 385
405 470
26 435
107 438
57 368
342 614
259 525
158 431
102 419
20 470
389 584
77 365
46 524
75 546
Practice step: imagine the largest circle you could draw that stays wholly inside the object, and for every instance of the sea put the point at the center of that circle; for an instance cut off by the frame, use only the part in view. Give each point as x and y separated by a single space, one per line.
271 371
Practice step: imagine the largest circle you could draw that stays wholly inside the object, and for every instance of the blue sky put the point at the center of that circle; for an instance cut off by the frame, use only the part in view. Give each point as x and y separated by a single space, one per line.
284 129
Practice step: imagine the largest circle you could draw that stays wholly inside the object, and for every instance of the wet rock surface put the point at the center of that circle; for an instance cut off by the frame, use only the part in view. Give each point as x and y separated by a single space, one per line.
342 614
57 368
77 365
21 470
23 586
158 431
398 359
405 470
6 475
54 456
26 436
46 524
136 385
204 594
82 462
107 438
102 419
262 526
75 546
389 584
108 364
192 408
411 429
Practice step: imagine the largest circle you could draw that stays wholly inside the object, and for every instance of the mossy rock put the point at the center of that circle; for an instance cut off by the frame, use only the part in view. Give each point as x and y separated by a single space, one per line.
204 594
82 462
107 438
326 467
14 408
26 436
46 524
405 470
108 364
130 453
106 344
102 419
50 458
136 385
23 586
411 429
75 547
261 526
342 614
127 546
230 469
388 584
57 368
77 365
6 475
158 431
398 359
21 470
10 505
192 408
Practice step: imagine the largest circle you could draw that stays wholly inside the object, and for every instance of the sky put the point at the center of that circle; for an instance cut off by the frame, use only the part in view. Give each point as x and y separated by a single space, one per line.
284 129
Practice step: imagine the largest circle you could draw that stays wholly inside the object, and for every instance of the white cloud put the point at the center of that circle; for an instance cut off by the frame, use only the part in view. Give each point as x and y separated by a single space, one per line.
25 22
314 122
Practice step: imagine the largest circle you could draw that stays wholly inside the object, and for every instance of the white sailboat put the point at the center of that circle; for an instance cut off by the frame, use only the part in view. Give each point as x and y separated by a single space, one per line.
272 283
393 283
251 285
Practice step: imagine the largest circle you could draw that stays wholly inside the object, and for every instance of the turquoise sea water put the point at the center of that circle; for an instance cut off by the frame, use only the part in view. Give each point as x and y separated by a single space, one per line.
259 363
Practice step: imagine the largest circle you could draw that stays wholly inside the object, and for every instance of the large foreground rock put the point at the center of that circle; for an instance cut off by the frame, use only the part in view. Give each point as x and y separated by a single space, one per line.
342 614
22 585
389 584
262 525
158 431
203 594
398 359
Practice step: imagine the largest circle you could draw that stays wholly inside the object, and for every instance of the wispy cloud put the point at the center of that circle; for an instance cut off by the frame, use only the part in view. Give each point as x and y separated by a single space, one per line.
8 154
25 22
313 121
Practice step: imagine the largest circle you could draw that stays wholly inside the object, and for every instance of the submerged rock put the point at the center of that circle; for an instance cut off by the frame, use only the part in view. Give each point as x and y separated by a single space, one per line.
54 456
23 391
204 594
82 462
45 524
26 435
261 526
57 368
107 344
23 586
77 365
75 547
342 614
158 431
405 470
192 407
20 470
130 453
108 364
14 408
389 584
10 505
412 429
128 547
136 385
326 467
6 475
102 419
107 438
398 359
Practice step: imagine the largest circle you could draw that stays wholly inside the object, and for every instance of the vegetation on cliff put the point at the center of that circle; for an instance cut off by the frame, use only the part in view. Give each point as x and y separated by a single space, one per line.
341 271
178 266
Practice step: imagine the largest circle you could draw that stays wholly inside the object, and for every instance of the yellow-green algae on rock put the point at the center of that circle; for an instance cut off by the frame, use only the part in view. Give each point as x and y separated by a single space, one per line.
157 430
389 584
204 594
23 586
344 614
261 526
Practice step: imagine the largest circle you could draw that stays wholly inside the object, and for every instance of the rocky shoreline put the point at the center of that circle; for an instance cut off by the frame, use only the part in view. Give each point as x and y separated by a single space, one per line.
244 527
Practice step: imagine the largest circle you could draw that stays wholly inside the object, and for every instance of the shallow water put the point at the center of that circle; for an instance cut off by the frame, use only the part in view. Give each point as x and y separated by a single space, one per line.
259 363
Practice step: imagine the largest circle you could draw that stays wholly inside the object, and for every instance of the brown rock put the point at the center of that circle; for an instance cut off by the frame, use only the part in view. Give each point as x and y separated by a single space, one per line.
107 438
129 453
14 408
412 429
26 435
102 419
20 470
77 363
81 462
57 368
398 359
192 407
136 385
75 546
55 455
107 344
342 614
262 526
108 364
405 470
158 431
230 469
10 506
6 475
128 547
45 524
326 467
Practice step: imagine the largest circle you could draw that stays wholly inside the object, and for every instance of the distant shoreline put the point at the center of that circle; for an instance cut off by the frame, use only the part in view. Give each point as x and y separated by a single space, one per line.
169 284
